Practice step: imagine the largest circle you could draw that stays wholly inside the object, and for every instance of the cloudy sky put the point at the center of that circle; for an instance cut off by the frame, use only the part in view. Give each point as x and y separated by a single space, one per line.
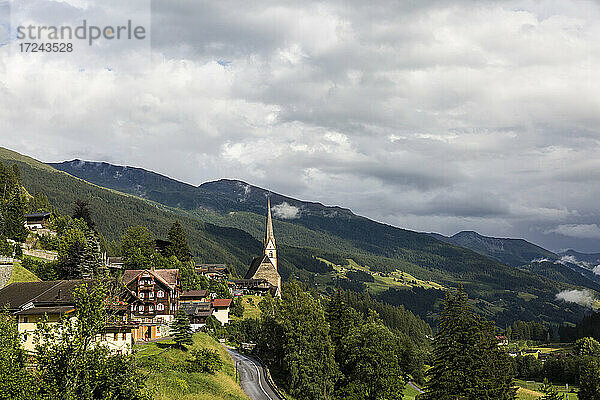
429 115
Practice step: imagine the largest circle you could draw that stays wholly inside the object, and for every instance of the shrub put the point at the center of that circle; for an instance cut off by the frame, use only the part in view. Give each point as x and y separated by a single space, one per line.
204 360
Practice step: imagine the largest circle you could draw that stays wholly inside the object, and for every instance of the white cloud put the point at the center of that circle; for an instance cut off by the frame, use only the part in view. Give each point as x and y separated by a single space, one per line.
435 116
578 230
582 297
286 211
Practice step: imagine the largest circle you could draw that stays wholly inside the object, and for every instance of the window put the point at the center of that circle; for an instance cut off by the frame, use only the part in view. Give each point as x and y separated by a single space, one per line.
160 293
160 307
141 296
141 308
103 337
124 336
133 307
25 320
116 336
151 308
151 294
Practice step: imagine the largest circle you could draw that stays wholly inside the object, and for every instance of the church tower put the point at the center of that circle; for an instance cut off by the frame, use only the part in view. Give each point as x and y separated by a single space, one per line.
269 243
264 268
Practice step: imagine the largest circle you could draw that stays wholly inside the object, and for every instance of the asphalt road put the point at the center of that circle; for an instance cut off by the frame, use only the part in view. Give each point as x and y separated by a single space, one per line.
252 378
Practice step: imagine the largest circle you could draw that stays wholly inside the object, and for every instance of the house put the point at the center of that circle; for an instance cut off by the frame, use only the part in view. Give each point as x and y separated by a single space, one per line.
213 271
198 313
31 302
502 340
221 310
265 266
194 296
254 286
113 262
158 291
37 221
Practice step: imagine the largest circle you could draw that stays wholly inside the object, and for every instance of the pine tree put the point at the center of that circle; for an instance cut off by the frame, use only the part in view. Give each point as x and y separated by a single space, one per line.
82 211
179 245
589 378
182 330
550 392
467 362
92 266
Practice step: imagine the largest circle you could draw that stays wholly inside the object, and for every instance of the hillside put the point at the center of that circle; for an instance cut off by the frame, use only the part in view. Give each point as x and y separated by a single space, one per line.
335 234
514 252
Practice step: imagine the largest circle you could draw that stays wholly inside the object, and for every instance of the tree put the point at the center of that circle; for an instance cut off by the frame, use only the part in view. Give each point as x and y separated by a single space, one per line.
73 364
179 245
15 380
342 319
587 346
372 364
550 392
466 360
14 215
237 308
589 378
92 266
182 330
137 247
300 335
71 251
82 211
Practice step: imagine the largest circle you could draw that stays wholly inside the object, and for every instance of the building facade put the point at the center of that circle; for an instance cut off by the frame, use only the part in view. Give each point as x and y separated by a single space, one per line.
158 292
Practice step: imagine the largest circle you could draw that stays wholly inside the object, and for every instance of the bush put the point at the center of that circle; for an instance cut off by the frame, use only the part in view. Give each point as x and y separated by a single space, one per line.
204 360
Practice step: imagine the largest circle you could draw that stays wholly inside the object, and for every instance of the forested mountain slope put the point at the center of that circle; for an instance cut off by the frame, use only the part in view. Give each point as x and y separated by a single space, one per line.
307 229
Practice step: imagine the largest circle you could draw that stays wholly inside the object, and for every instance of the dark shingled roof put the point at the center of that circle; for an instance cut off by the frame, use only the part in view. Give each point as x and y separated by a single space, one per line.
42 293
166 276
46 310
197 309
256 264
38 215
194 293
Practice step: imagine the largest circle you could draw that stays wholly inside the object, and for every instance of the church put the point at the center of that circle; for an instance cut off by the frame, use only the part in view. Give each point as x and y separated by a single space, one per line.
264 268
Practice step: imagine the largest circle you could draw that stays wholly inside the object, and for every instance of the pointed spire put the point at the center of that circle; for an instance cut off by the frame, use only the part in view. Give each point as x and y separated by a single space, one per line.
269 236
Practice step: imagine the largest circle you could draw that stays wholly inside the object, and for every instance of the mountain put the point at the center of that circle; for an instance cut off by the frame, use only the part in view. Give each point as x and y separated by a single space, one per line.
403 264
585 260
514 252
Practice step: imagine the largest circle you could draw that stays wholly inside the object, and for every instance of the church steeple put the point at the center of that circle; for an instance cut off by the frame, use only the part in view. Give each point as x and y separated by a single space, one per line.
269 242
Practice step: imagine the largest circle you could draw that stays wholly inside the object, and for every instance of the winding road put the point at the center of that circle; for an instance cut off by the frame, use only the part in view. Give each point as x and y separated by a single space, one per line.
252 378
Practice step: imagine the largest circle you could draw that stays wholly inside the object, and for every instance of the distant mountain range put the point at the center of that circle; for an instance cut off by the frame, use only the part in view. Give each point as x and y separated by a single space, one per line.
225 223
514 252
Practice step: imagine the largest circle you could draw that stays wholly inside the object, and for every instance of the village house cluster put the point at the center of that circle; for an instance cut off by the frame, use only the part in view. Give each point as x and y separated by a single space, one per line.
142 305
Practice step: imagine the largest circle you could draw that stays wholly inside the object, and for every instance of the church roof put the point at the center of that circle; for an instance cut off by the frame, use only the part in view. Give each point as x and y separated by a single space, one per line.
256 263
269 236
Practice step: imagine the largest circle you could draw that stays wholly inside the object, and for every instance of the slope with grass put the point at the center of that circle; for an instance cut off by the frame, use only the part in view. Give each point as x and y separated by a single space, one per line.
224 221
161 362
21 274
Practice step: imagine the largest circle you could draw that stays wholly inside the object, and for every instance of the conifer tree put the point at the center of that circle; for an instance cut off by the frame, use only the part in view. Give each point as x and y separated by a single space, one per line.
550 392
92 257
467 362
82 211
182 330
179 245
589 378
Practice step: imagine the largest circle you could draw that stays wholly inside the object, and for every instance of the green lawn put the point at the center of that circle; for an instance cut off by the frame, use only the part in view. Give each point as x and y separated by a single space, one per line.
251 309
21 274
159 361
529 390
410 393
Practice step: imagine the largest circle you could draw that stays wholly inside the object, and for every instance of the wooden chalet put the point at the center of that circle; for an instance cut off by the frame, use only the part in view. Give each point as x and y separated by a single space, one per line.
158 292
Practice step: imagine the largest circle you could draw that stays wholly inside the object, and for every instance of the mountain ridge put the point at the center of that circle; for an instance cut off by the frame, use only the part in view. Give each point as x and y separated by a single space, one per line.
307 230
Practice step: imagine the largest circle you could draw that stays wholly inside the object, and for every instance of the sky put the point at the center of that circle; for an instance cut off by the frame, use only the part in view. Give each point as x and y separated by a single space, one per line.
435 116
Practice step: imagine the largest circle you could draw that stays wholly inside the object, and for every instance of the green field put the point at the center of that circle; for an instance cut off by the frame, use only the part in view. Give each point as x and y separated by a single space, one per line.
159 360
20 274
251 309
410 393
529 390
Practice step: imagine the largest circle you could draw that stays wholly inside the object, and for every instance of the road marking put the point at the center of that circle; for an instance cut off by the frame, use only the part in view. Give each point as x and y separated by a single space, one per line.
258 373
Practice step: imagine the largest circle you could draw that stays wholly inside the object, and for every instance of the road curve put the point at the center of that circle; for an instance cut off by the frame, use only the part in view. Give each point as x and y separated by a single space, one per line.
252 378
